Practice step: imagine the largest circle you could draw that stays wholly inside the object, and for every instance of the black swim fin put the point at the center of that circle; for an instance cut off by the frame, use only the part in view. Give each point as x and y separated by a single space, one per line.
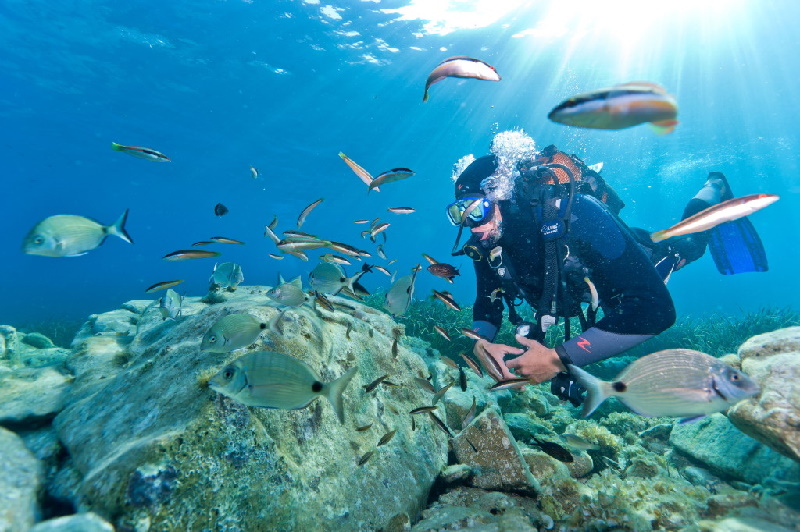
735 246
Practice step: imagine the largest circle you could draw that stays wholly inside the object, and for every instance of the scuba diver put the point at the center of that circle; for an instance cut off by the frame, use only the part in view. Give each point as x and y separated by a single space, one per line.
545 230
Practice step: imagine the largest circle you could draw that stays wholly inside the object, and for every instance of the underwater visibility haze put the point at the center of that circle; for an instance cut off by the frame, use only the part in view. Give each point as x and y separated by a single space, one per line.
160 125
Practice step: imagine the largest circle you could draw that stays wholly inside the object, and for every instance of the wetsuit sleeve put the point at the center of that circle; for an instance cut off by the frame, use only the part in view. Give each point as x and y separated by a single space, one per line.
486 315
635 301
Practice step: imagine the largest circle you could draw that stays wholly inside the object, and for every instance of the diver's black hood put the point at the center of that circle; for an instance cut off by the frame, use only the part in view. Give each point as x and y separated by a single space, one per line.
469 182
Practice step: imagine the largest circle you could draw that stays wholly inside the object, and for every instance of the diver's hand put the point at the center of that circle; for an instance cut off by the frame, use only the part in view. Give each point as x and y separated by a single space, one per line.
538 363
491 358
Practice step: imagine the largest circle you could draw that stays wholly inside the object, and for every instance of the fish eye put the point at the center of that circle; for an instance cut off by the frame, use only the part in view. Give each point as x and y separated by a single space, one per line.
212 338
735 377
228 374
38 240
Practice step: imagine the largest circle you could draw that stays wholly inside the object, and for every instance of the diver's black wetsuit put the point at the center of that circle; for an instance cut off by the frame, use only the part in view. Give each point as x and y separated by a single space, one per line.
635 301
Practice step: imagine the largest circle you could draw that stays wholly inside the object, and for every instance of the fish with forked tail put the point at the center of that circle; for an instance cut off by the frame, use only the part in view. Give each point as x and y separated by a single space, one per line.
673 382
274 380
68 235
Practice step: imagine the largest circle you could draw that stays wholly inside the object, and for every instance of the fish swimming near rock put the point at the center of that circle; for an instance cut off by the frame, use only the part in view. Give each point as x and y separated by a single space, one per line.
226 275
170 304
553 449
68 235
231 332
398 298
220 209
163 285
329 278
141 153
727 211
441 269
577 442
290 294
274 380
673 382
619 107
460 66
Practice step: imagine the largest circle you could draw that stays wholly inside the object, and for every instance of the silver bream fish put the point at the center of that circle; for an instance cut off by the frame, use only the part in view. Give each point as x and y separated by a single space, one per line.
230 332
275 380
67 235
226 275
672 382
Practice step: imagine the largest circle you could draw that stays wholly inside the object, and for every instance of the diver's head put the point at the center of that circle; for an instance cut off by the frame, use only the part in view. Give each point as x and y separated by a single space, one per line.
473 207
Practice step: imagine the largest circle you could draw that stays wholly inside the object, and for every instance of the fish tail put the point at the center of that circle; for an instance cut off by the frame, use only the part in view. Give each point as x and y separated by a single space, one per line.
662 127
334 391
425 96
116 147
597 391
658 236
118 228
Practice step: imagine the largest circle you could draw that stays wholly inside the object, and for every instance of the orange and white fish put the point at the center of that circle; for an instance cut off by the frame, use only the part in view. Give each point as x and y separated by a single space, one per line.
726 211
141 153
461 66
362 174
619 107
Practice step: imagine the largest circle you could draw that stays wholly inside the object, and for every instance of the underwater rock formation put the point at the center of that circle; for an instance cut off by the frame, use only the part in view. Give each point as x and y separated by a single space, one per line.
717 444
156 448
86 522
773 417
20 476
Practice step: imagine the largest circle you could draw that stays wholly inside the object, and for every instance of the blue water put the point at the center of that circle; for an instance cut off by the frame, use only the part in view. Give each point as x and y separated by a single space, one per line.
286 85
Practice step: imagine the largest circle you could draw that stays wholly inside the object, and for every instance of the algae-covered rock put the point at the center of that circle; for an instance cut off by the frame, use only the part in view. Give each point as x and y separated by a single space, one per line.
489 448
86 522
31 396
773 416
475 509
153 444
717 444
38 340
19 483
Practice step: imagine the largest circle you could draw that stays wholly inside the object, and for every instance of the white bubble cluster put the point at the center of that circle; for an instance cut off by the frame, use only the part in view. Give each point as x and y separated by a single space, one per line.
461 165
509 147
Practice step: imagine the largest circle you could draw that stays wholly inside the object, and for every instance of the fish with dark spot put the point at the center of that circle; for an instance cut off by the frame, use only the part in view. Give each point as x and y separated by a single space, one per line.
386 438
374 384
423 409
553 449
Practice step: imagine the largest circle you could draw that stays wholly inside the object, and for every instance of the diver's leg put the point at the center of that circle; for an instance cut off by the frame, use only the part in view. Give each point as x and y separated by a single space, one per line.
691 247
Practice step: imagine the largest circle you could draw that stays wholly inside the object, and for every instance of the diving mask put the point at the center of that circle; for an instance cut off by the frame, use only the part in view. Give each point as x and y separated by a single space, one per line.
479 209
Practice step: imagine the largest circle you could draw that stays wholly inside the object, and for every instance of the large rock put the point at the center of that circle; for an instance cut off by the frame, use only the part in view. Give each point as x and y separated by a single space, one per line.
31 396
88 522
157 449
773 417
20 477
488 447
717 444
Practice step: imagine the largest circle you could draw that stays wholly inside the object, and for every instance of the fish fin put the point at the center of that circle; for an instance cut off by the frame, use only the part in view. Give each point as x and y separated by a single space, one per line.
297 281
692 419
334 391
663 127
118 228
425 95
116 147
597 391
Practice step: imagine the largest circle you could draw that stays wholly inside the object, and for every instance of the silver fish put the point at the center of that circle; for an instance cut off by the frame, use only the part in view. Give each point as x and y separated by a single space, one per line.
460 66
672 382
727 211
226 275
398 298
362 174
140 152
230 332
306 212
169 305
275 380
329 278
290 294
67 235
576 442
